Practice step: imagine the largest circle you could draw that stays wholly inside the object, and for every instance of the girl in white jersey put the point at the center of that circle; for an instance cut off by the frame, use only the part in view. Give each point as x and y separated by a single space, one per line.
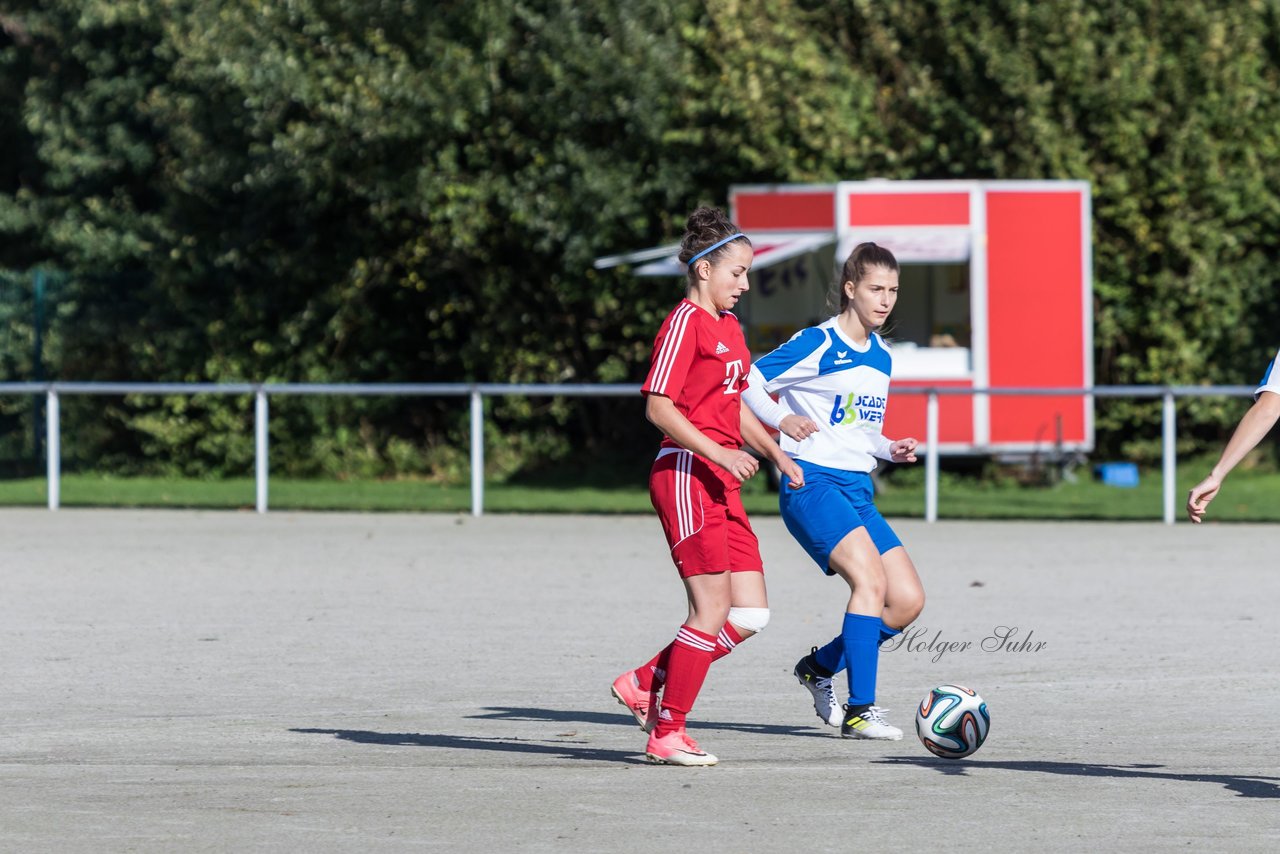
833 385
1255 424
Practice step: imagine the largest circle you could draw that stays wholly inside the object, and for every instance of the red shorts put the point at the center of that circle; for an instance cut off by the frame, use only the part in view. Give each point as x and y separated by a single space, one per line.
702 516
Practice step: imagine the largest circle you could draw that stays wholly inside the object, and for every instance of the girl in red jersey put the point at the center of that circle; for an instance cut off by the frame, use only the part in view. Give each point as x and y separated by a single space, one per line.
692 394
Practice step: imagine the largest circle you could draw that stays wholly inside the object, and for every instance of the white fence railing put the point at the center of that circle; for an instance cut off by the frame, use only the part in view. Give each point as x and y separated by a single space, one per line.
478 391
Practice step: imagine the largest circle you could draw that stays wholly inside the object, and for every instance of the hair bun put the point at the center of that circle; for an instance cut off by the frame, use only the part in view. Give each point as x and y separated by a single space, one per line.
705 227
705 219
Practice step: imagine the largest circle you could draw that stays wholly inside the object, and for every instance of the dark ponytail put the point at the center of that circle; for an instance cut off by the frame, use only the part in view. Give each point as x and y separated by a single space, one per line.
863 257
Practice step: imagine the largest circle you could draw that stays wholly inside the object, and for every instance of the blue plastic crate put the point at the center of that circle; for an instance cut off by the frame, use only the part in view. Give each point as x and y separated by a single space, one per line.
1124 475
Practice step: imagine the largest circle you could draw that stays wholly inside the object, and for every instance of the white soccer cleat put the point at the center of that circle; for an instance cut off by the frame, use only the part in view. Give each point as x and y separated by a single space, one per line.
868 723
820 688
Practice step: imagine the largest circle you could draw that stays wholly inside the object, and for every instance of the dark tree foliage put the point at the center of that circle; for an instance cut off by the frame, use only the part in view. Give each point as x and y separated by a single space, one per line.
391 190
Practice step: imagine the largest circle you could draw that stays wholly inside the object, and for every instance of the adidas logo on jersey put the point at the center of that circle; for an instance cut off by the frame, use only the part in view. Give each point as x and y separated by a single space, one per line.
720 348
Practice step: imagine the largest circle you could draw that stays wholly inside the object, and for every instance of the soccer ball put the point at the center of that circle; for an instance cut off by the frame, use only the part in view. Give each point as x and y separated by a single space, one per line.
952 721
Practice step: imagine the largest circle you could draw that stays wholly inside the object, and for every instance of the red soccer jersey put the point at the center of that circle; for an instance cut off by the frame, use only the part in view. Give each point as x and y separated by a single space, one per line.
701 363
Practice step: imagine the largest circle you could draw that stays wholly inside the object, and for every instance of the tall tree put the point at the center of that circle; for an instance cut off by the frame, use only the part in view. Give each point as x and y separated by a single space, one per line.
333 190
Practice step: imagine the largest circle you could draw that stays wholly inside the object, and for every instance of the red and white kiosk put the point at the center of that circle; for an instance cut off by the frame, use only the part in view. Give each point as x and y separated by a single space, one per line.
996 292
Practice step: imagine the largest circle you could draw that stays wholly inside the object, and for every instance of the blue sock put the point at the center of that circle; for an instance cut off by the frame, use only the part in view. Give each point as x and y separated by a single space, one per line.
886 633
862 651
831 656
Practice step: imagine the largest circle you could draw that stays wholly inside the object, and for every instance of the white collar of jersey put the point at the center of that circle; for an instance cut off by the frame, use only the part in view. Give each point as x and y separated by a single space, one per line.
857 348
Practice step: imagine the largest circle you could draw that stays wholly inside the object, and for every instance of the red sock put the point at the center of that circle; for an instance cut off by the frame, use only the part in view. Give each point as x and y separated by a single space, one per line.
726 641
687 668
651 676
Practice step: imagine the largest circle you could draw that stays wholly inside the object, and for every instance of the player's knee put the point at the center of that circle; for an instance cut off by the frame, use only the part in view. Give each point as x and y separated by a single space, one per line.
858 567
903 609
915 606
864 577
752 619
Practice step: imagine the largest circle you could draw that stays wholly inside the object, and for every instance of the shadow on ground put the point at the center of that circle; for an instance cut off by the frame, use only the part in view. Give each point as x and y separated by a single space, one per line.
568 748
508 713
1245 786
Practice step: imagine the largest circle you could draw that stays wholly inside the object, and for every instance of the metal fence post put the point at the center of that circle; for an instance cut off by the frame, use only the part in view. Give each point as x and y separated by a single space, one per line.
260 467
477 453
931 459
1170 455
53 448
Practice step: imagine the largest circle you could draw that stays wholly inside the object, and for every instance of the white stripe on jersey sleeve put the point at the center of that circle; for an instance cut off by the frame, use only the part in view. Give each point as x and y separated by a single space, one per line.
795 361
671 348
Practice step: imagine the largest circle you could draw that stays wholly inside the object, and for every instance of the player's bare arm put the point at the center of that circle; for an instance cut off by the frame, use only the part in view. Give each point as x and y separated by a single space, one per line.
662 413
1253 427
755 435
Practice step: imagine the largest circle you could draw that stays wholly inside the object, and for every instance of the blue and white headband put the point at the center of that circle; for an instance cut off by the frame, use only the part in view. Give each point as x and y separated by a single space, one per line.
713 247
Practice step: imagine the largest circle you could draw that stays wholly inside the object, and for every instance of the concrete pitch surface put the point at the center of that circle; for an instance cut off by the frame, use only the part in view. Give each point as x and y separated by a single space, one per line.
188 681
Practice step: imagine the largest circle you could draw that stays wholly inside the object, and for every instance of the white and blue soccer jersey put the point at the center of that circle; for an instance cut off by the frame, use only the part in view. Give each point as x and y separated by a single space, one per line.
1271 379
843 388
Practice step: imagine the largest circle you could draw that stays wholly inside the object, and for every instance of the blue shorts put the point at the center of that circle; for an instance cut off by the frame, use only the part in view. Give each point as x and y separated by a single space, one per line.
830 505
